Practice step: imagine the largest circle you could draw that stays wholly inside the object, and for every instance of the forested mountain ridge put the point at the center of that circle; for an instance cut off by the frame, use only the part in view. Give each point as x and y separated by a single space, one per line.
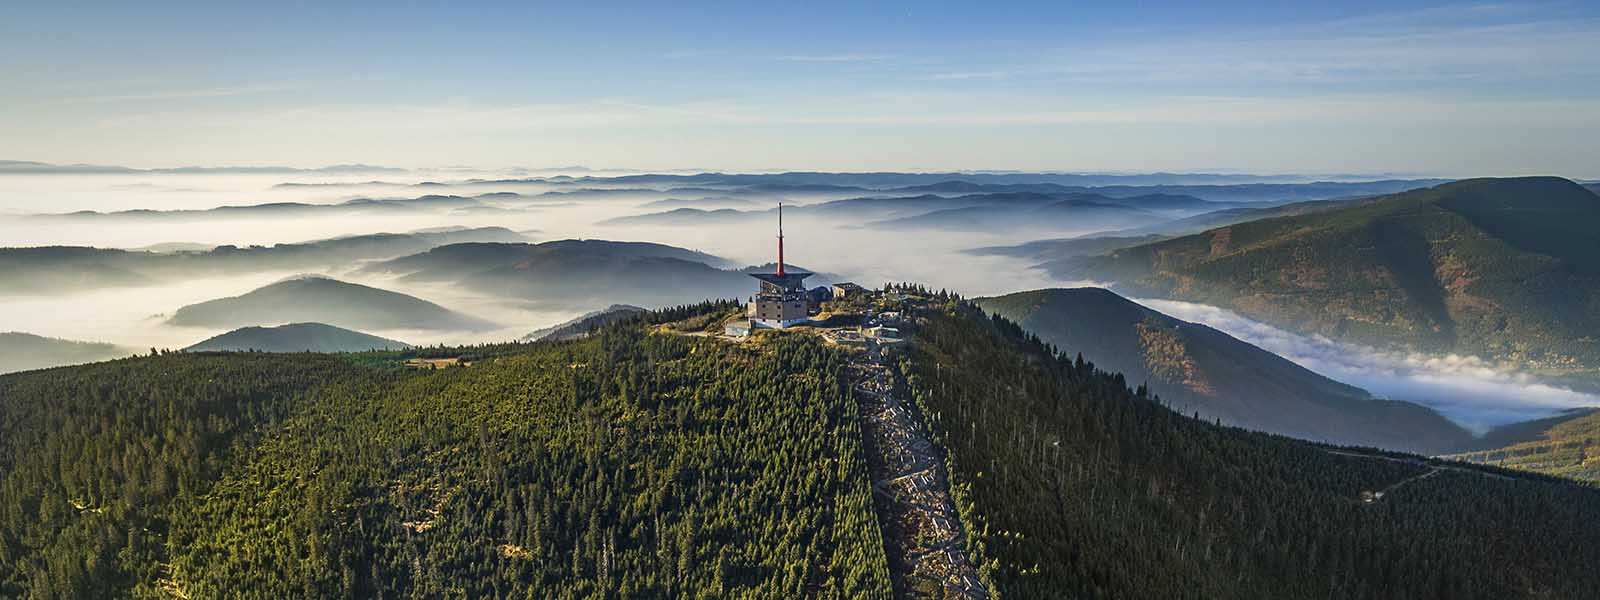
446 262
1054 255
1199 370
1080 487
352 207
585 324
1508 269
58 269
295 337
626 464
577 273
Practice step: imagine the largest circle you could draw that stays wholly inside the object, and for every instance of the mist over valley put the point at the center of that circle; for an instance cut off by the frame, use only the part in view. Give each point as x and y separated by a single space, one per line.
151 250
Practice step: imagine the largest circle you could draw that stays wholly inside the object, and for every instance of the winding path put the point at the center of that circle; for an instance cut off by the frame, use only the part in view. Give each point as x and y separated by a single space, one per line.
923 535
1433 469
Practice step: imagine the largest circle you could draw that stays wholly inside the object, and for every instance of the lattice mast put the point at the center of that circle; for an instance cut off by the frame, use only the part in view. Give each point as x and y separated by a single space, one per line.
780 239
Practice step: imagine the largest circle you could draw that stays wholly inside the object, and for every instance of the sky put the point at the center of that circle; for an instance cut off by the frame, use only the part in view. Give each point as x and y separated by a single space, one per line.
1447 89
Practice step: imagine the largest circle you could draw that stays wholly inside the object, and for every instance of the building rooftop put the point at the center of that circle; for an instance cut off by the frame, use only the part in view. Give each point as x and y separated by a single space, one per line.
789 279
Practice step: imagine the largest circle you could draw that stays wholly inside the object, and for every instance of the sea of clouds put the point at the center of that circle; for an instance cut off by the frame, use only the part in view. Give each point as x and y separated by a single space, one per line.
1469 390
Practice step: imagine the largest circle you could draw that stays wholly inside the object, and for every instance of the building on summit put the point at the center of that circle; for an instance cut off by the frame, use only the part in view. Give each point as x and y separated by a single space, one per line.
782 300
847 290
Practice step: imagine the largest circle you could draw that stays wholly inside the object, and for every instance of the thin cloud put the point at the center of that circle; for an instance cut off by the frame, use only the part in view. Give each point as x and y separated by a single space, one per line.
837 58
896 109
1471 43
682 54
183 94
1472 391
968 75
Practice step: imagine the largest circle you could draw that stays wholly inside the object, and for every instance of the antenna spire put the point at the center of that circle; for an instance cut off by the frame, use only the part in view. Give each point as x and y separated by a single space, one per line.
780 239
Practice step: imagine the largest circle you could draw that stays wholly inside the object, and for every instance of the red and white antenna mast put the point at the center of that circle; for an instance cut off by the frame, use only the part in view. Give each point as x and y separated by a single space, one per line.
780 239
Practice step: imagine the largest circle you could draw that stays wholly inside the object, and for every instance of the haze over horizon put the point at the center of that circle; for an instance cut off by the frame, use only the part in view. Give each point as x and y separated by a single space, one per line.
1447 89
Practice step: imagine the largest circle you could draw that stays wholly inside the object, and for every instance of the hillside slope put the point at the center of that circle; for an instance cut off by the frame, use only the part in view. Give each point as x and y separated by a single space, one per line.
627 464
638 462
586 324
65 269
1198 370
1082 488
296 337
1057 249
1567 445
24 351
577 273
1508 269
324 300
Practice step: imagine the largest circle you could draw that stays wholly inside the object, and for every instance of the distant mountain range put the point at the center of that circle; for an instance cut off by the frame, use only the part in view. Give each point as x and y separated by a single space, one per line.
1507 269
1229 216
1057 249
357 206
1198 370
1159 192
691 217
31 167
25 351
1009 201
61 269
581 326
970 212
1028 211
707 203
1229 184
1046 252
296 337
576 273
324 300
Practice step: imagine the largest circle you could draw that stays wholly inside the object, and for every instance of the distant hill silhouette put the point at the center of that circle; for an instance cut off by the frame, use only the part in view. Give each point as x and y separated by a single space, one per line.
581 326
296 337
358 206
1057 249
324 300
577 273
709 203
61 269
25 351
1197 369
691 216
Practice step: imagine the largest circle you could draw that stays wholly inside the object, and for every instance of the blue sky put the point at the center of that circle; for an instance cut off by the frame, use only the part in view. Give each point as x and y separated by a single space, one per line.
1449 89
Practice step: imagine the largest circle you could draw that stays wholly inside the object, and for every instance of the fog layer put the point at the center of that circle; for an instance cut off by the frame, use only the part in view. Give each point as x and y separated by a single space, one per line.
835 242
1470 391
